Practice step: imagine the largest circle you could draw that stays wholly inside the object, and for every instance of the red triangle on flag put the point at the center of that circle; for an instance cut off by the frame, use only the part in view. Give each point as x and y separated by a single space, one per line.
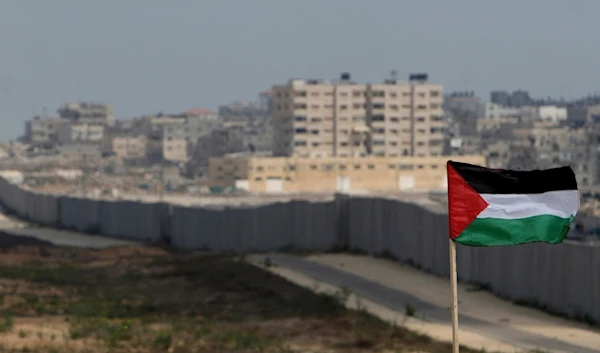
464 203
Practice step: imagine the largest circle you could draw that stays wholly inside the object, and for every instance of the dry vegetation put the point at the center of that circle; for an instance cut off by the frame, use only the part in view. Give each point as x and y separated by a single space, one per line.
149 300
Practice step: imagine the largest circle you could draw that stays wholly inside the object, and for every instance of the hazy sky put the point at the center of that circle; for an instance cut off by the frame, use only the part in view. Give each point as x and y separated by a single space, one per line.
145 56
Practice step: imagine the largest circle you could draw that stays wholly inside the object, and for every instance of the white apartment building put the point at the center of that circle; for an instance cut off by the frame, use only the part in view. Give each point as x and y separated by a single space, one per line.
73 133
499 112
316 118
552 113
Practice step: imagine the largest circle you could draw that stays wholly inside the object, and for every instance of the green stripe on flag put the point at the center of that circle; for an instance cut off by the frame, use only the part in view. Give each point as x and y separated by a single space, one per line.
494 231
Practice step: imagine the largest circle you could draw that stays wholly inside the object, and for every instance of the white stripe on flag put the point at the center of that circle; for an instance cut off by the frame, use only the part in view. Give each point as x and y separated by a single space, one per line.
563 204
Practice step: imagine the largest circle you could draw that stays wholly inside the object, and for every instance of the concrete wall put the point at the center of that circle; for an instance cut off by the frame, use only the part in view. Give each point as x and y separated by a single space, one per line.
297 224
42 209
121 219
564 278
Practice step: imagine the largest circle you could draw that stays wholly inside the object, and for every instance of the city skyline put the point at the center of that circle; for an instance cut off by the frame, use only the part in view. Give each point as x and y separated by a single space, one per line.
172 57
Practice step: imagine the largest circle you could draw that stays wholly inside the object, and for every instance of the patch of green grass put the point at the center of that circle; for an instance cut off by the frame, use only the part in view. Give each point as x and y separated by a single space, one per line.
241 339
61 275
97 327
111 307
7 324
118 334
203 329
22 334
163 340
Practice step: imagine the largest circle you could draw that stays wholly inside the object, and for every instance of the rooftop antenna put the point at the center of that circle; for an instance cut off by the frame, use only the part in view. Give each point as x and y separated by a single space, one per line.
394 75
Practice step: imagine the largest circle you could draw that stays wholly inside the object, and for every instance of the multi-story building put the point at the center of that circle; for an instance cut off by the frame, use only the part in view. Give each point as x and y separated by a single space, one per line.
179 137
75 133
462 101
493 111
41 131
552 113
316 118
175 150
88 113
129 147
329 174
515 99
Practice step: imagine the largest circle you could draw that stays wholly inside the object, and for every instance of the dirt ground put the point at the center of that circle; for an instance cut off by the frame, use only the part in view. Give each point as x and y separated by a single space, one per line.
144 299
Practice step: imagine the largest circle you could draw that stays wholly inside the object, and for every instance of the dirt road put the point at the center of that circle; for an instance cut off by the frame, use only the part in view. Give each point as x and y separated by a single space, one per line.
485 321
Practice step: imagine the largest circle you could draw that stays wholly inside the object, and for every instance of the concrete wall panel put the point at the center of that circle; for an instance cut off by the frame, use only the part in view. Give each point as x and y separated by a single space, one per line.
79 214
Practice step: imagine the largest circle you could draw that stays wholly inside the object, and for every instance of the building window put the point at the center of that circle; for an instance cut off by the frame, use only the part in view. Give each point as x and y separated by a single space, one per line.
357 94
378 118
378 105
313 166
300 106
299 118
258 178
378 94
371 166
343 107
392 166
406 166
357 166
342 166
300 130
434 93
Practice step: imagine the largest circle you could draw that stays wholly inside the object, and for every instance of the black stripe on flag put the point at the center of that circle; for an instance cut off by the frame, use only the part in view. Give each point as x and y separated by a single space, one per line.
501 181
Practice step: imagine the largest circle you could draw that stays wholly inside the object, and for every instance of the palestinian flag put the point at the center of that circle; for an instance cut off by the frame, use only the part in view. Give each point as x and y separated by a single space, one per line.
488 207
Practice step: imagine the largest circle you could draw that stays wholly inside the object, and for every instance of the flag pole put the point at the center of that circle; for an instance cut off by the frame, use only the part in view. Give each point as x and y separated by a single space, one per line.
453 288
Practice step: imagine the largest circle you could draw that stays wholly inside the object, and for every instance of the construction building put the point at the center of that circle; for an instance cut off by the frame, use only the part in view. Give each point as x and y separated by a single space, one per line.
317 118
330 174
88 113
